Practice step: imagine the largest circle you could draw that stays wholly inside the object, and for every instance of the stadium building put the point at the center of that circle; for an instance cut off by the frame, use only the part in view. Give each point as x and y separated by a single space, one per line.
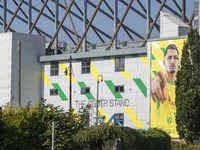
116 82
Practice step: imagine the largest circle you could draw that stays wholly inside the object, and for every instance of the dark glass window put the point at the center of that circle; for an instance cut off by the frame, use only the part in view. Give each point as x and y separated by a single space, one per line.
54 68
119 88
120 118
85 66
85 90
53 92
119 64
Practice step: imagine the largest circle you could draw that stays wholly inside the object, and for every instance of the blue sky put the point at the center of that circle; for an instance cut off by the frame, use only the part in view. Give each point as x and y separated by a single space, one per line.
132 20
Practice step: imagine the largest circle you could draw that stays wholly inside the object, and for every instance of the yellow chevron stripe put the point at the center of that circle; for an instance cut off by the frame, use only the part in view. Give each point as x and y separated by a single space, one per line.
45 78
124 73
157 53
163 44
144 60
102 113
63 66
155 66
133 117
113 61
94 71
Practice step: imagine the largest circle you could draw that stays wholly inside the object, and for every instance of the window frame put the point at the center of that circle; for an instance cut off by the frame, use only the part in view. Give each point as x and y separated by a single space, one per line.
84 90
85 66
53 92
54 68
118 117
119 89
119 64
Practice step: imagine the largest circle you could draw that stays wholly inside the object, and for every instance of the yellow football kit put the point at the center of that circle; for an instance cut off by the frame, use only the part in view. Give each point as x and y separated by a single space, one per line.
163 114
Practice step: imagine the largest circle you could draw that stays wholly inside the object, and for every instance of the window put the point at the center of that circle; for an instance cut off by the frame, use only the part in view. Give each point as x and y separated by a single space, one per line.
85 66
119 64
119 89
85 90
196 13
53 92
54 68
120 118
196 22
196 5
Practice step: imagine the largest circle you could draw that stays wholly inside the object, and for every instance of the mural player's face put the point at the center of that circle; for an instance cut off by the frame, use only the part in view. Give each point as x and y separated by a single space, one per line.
171 61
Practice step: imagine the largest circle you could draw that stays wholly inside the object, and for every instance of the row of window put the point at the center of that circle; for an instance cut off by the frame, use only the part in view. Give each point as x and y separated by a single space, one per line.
86 90
85 66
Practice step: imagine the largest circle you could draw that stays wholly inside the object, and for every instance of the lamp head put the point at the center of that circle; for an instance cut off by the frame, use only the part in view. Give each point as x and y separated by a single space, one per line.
66 72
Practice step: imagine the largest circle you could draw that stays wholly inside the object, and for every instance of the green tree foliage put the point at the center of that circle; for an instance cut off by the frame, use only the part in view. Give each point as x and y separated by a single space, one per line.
1 127
96 136
31 127
128 138
188 88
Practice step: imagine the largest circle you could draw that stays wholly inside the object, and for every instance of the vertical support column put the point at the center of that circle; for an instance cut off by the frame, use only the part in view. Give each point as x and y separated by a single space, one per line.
115 22
19 75
4 14
183 10
29 14
97 107
84 25
56 26
148 14
70 83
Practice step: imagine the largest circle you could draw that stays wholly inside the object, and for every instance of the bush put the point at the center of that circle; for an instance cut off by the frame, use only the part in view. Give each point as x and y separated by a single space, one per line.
193 147
157 139
176 146
128 138
31 127
97 136
1 128
132 139
151 139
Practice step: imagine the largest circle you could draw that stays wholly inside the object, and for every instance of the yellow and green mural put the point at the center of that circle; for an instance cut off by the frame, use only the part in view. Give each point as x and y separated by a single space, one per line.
165 59
132 102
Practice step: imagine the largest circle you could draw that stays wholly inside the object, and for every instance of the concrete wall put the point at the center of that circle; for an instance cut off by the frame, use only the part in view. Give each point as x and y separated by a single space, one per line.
32 46
167 27
5 67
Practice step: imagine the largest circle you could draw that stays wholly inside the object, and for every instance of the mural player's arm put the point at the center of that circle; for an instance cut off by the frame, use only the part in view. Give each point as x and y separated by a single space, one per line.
159 87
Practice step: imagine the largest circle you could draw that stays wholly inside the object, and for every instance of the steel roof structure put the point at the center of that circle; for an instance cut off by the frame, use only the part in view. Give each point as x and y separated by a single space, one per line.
83 22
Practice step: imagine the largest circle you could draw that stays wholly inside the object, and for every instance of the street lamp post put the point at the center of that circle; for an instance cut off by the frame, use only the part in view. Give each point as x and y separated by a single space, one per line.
70 82
98 97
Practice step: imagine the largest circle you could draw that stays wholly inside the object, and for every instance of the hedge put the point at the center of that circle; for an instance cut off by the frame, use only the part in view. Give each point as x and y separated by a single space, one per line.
129 139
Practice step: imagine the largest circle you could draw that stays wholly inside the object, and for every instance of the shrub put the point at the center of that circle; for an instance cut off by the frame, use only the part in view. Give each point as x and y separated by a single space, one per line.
157 139
31 127
132 139
193 147
96 136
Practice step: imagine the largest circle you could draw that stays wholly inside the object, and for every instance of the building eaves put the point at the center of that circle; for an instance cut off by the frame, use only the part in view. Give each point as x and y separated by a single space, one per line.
94 54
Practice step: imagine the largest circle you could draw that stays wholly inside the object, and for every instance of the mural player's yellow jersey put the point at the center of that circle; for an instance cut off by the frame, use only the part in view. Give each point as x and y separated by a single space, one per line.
163 114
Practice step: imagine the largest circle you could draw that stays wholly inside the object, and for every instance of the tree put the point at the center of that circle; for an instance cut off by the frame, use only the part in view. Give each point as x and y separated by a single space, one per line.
31 127
188 88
